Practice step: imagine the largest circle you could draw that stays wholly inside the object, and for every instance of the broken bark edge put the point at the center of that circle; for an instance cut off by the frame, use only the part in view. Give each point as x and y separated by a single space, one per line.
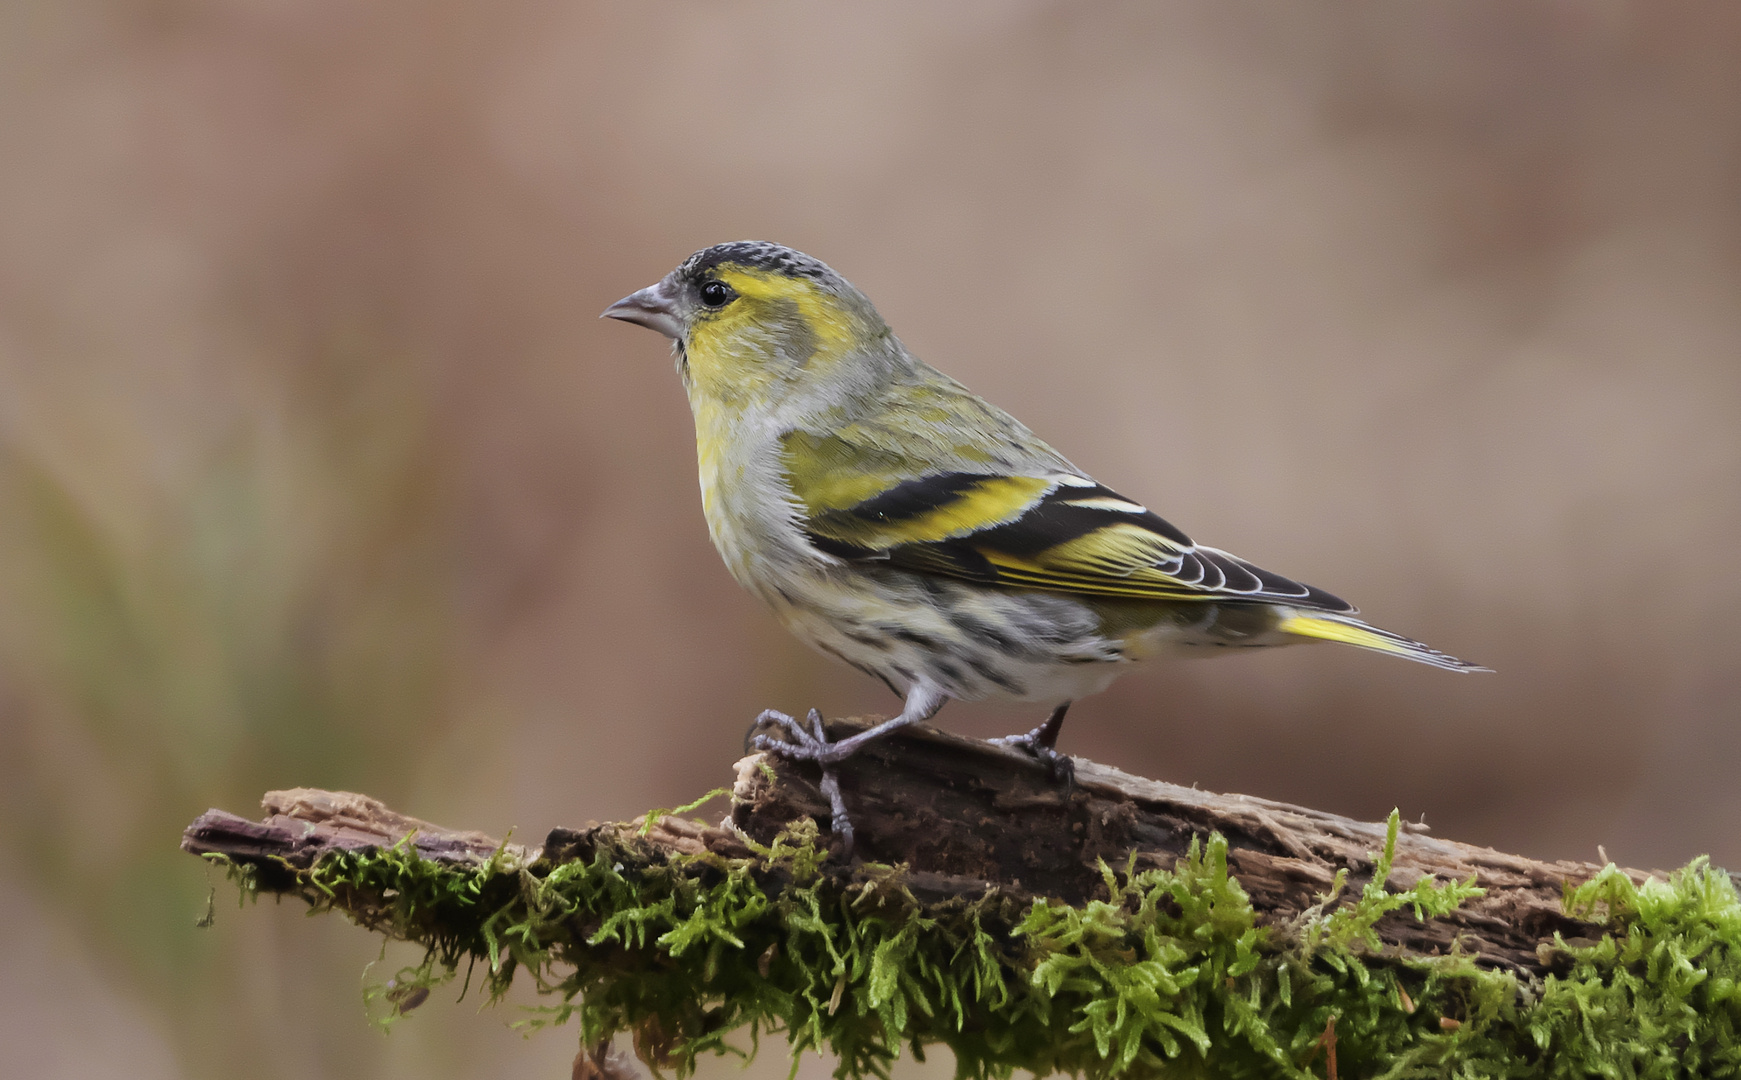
1113 928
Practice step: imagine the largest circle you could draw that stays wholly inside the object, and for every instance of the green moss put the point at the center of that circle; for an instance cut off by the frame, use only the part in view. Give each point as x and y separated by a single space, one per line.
1168 975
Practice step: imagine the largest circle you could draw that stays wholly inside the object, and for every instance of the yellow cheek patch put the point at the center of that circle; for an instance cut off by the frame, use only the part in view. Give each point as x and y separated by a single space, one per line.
759 293
729 349
715 365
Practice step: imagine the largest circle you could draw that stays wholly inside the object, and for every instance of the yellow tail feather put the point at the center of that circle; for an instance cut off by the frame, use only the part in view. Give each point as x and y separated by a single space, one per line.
1361 636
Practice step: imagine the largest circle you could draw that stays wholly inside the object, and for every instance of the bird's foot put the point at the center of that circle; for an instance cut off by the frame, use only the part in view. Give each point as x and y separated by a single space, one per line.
801 743
1058 766
807 745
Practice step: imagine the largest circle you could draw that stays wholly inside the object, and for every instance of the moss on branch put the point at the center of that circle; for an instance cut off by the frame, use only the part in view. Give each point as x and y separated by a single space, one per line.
1116 927
1165 971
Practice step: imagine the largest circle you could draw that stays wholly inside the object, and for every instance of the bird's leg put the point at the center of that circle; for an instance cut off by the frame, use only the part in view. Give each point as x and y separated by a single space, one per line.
922 703
1040 742
813 745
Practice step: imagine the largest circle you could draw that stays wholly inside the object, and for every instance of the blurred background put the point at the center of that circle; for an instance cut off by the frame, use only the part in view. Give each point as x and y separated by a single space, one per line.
318 467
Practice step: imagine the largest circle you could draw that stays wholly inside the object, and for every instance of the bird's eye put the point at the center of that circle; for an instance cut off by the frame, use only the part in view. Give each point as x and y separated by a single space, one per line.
716 294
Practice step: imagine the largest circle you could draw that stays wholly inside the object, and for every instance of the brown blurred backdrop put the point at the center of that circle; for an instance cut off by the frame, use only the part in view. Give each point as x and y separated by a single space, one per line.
317 467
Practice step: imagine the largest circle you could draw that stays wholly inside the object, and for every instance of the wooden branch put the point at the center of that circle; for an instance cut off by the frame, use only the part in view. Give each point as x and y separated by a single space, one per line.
966 809
965 817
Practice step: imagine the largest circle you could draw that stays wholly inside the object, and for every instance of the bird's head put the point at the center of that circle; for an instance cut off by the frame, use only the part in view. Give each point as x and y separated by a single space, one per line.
748 318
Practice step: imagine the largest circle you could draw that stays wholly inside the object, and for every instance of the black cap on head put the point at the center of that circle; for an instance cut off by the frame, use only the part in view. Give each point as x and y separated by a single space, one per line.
757 255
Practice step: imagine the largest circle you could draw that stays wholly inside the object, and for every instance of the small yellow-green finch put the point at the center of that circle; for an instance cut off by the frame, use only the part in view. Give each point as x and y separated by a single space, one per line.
896 521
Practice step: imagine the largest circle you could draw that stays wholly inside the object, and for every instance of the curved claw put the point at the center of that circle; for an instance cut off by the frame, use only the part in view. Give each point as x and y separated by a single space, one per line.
755 740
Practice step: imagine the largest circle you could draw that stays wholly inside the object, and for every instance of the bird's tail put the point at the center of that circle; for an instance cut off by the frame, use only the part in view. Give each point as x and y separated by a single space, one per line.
1347 631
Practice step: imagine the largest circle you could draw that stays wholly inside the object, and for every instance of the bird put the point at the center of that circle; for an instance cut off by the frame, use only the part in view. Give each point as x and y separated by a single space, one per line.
896 521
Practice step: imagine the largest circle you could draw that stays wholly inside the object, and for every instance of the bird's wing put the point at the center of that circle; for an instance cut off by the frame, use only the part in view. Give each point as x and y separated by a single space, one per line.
1036 529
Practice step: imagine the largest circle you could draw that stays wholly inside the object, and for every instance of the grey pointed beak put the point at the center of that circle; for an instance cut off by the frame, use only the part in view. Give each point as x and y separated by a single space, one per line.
653 307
